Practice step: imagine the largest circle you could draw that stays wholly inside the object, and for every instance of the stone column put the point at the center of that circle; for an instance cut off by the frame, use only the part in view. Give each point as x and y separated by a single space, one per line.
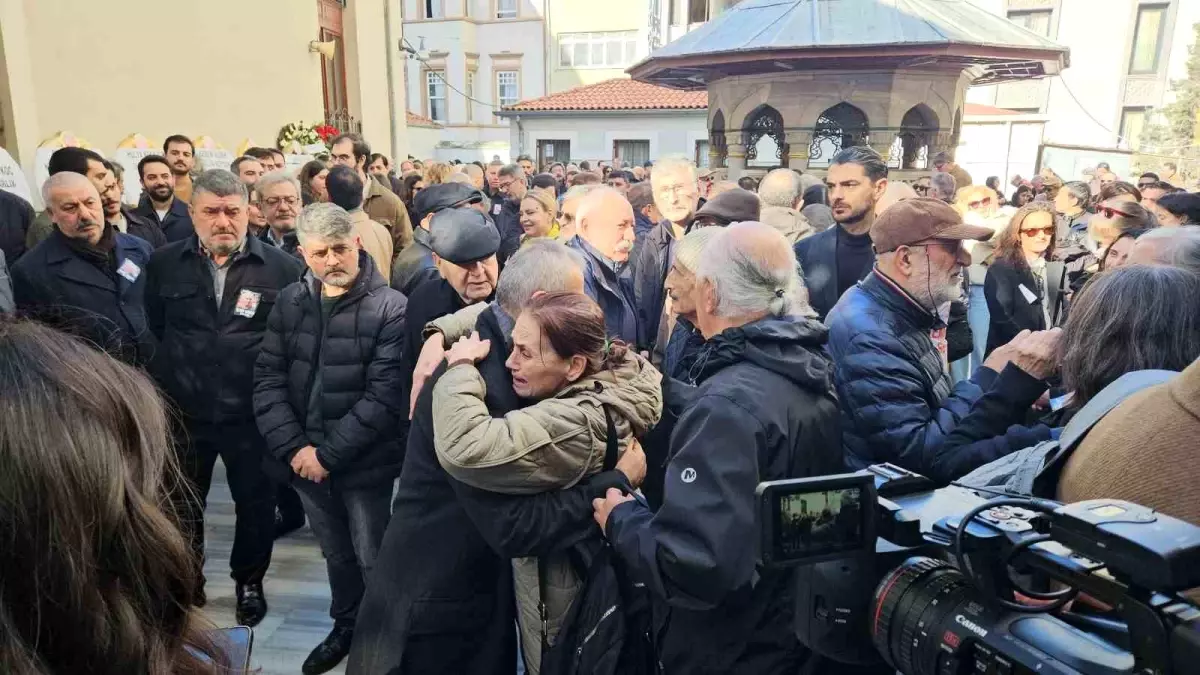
798 146
735 160
882 143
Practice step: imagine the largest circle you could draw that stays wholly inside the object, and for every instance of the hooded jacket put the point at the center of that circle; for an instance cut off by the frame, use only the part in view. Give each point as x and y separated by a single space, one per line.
765 410
549 445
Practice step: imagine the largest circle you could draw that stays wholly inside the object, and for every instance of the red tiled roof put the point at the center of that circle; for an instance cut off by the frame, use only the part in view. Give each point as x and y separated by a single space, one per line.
980 109
420 120
618 94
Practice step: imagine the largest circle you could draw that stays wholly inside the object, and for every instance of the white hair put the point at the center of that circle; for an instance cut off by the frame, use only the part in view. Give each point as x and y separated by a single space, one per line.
592 198
781 187
539 265
273 178
753 274
671 165
63 179
329 222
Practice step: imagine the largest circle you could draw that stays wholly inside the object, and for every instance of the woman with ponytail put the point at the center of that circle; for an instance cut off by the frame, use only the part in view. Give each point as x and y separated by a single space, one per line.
580 385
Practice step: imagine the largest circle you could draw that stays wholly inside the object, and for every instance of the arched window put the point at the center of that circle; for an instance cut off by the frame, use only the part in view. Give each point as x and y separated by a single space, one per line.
841 126
716 140
918 128
766 143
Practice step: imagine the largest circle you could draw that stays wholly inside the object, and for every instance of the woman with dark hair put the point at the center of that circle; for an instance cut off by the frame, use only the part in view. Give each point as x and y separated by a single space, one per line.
1118 191
1177 209
994 183
584 388
1016 282
410 186
312 182
1137 317
1022 196
96 575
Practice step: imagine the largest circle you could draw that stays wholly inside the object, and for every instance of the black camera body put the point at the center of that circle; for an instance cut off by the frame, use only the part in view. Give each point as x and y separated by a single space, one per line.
875 583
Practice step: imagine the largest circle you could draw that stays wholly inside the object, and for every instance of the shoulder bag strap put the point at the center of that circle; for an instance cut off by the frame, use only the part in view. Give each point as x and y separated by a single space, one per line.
1056 276
611 449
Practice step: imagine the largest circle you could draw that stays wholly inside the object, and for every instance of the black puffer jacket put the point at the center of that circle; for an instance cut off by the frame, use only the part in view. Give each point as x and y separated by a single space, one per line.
765 410
207 349
897 402
362 396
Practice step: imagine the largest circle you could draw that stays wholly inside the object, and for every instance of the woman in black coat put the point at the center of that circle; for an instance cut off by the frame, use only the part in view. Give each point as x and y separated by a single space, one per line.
1015 285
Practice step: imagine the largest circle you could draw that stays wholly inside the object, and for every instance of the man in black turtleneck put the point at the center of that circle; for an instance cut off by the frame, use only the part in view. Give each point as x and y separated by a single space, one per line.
835 260
86 277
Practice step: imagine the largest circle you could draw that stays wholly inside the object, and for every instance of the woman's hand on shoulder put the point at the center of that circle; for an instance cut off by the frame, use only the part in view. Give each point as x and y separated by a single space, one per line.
470 350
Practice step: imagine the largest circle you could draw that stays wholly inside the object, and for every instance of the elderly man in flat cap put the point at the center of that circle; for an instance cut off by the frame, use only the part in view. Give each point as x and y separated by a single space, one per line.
415 265
463 245
887 337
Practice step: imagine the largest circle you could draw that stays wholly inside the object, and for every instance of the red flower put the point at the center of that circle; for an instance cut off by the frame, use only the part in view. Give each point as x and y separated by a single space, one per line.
326 131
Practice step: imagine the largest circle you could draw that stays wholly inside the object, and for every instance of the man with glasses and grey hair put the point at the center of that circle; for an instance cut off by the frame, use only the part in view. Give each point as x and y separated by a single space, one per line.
764 410
328 398
279 201
207 302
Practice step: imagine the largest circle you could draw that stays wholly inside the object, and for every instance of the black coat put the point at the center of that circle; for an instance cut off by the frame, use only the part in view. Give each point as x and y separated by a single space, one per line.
433 299
291 243
176 226
54 284
440 600
206 355
817 256
1009 310
765 411
16 215
897 401
650 264
362 401
144 228
508 224
414 265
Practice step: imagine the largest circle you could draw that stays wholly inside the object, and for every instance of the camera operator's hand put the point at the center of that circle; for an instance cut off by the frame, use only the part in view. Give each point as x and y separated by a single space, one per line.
633 463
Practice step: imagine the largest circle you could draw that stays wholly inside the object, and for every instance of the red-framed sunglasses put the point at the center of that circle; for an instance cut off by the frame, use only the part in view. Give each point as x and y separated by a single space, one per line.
1109 212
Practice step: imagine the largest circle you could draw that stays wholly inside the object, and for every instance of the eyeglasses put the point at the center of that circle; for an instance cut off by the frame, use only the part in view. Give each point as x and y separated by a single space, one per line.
986 201
921 189
276 201
1035 231
1110 212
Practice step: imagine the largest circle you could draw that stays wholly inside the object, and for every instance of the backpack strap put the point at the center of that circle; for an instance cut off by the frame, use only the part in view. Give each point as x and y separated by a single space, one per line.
1056 277
1091 413
611 449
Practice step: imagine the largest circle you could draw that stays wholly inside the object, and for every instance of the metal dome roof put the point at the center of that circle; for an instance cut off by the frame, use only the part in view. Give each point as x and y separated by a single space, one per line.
780 35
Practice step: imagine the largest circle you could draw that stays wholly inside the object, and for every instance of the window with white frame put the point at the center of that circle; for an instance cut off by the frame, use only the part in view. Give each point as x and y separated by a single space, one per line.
507 90
632 152
433 9
617 49
435 88
1036 20
506 9
470 102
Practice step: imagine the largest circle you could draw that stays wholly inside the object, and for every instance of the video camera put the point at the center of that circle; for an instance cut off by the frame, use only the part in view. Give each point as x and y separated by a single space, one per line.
945 600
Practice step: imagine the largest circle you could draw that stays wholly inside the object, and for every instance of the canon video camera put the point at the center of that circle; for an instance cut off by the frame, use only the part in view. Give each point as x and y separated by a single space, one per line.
949 582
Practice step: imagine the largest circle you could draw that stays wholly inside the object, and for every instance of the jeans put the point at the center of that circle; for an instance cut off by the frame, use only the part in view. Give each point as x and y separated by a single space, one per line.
241 449
349 524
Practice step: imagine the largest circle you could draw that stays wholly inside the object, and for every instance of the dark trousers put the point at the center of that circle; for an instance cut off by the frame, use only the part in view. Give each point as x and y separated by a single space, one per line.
349 524
241 450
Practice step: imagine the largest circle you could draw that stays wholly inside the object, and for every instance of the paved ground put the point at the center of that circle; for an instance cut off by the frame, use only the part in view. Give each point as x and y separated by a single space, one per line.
297 589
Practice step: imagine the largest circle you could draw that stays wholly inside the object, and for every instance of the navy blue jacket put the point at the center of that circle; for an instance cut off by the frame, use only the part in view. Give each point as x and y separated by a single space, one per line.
897 402
176 226
611 290
208 345
650 263
16 215
357 351
817 256
765 411
52 283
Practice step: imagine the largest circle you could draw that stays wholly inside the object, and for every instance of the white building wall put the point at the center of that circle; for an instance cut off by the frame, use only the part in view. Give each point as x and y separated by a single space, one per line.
592 136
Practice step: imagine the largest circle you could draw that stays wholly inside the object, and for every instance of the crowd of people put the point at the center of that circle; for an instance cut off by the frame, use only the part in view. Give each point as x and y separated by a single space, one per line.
489 389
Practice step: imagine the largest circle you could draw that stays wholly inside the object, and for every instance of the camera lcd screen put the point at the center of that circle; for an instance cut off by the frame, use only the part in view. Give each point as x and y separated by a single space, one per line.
819 524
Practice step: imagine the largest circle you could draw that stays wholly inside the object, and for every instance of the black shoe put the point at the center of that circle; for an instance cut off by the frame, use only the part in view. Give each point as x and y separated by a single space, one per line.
330 652
285 525
251 604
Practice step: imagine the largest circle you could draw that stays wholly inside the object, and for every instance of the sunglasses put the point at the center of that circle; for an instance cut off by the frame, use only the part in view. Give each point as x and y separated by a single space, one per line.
1143 186
922 189
1110 212
1035 231
986 201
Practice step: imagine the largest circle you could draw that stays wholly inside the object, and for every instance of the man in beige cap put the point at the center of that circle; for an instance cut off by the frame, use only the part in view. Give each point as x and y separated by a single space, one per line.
887 337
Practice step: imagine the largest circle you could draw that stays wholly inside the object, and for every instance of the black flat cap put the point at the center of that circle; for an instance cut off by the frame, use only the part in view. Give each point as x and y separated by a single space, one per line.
462 236
444 196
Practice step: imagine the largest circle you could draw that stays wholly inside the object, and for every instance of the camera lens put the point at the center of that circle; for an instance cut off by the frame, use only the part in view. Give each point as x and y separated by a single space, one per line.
913 614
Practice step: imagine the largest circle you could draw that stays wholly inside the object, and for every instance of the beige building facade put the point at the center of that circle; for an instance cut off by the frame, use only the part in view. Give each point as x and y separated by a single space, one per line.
230 70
